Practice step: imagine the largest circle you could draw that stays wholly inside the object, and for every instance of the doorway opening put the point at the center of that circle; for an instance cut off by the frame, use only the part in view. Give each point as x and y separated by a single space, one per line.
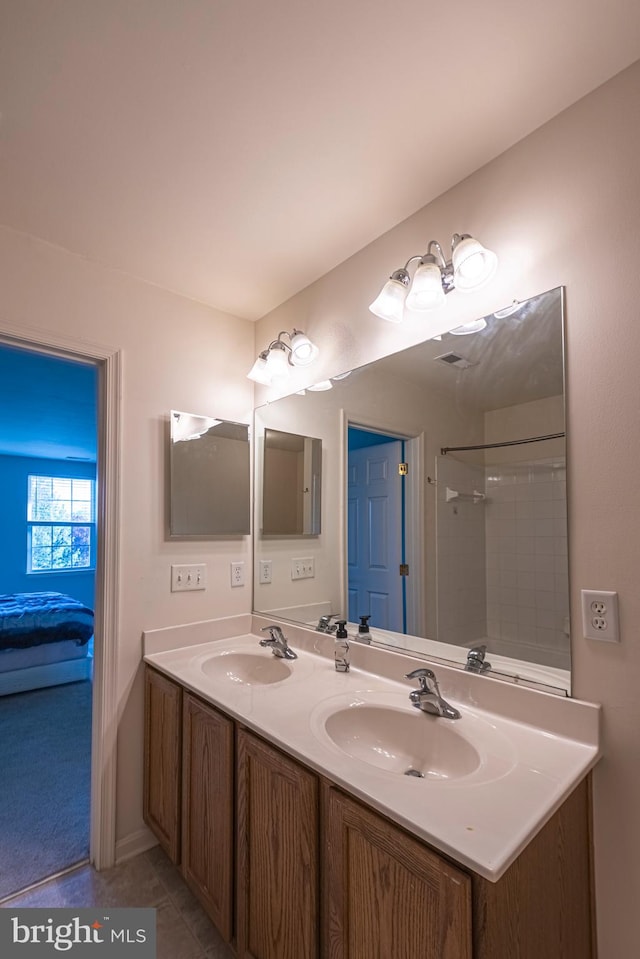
48 514
384 512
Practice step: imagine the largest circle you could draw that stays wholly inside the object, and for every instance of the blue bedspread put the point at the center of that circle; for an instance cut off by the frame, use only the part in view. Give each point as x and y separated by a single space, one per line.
31 619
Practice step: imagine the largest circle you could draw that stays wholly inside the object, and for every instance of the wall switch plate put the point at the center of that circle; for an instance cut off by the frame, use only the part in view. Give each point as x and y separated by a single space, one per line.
188 577
303 568
237 574
600 619
264 571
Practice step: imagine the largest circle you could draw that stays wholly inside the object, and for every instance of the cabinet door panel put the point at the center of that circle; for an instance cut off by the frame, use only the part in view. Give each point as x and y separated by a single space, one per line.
162 747
385 894
277 854
207 810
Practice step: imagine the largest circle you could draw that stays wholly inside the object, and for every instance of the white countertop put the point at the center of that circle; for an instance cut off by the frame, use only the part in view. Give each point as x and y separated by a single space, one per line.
534 747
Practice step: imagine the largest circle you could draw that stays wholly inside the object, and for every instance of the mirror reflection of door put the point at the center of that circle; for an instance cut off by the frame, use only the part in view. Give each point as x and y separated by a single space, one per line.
376 529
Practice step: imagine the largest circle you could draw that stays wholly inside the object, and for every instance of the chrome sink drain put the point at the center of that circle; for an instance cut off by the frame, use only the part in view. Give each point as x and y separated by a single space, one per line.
414 772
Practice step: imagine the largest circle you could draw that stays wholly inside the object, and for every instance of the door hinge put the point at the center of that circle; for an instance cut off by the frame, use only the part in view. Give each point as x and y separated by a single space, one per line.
404 569
403 469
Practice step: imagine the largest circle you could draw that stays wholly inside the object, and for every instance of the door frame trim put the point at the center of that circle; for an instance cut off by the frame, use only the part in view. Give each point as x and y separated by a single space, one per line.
102 839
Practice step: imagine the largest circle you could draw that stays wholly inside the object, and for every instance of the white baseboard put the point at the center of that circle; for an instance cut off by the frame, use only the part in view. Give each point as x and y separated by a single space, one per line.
134 844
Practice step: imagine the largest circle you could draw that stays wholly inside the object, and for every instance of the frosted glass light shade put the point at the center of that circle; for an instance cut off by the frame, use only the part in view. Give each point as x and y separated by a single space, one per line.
473 265
277 367
321 386
258 372
303 351
426 290
389 304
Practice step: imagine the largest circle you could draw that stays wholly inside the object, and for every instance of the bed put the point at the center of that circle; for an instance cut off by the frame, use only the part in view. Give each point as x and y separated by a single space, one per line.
45 640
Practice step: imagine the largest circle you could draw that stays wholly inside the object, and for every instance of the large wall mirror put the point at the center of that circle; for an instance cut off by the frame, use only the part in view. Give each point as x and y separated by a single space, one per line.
443 498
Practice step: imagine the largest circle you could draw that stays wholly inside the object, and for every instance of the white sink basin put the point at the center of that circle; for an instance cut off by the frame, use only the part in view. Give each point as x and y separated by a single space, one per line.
400 741
385 731
247 668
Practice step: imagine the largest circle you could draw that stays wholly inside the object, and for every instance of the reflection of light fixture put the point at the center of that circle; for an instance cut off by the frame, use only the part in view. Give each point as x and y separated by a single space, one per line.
321 386
470 266
508 310
273 364
473 327
189 426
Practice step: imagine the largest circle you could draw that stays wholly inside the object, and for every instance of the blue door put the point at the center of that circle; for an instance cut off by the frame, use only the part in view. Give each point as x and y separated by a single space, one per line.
374 535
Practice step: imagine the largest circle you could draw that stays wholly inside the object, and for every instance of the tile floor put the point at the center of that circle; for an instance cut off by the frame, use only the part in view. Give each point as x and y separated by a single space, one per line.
150 879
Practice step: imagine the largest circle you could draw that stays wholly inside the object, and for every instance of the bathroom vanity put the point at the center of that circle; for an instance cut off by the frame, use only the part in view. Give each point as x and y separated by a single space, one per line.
302 839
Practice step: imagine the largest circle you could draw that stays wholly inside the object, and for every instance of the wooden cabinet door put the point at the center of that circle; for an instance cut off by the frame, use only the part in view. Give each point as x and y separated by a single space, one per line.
162 760
277 818
385 895
207 809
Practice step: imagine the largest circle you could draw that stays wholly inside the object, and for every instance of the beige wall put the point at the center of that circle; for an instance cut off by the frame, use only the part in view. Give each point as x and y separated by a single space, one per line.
176 354
562 207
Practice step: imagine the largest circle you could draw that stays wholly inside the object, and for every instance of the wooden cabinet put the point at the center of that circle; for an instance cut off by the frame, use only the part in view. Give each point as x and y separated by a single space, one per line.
208 809
278 865
162 755
385 893
541 907
319 875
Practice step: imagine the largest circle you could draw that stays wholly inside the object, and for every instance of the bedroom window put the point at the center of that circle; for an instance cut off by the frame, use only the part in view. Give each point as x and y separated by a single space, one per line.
60 524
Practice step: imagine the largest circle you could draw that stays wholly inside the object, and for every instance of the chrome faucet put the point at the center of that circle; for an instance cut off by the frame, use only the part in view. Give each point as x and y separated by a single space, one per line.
428 697
277 643
476 663
325 625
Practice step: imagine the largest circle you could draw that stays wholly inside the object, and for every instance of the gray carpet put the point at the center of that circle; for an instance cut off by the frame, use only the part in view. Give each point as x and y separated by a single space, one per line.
45 755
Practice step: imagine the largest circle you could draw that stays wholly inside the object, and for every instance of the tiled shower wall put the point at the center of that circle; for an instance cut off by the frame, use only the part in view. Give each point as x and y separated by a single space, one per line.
502 562
526 551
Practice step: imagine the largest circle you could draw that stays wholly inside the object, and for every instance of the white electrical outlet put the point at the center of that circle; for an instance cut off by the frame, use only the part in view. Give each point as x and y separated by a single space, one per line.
237 574
193 576
600 615
265 571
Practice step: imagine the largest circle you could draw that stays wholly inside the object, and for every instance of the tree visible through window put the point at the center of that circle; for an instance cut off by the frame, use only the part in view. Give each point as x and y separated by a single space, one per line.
60 523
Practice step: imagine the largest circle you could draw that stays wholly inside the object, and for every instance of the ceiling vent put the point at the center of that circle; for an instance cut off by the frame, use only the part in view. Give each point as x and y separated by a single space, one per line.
454 359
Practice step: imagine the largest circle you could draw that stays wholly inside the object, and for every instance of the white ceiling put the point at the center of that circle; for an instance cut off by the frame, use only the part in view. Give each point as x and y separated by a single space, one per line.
236 150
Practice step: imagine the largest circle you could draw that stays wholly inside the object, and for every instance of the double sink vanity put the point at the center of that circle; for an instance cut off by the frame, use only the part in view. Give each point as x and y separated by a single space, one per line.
317 813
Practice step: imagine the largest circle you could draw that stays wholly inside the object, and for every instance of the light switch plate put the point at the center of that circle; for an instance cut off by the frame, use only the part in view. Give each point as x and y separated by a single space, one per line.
188 577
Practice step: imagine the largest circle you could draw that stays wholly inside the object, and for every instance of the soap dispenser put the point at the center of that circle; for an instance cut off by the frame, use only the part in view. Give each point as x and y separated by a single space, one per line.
341 650
364 636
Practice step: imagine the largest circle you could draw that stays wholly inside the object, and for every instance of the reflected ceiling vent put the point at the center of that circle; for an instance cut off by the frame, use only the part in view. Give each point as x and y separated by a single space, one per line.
454 359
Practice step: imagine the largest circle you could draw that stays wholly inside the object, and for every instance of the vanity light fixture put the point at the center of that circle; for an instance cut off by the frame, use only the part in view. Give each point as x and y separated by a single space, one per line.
274 364
470 267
